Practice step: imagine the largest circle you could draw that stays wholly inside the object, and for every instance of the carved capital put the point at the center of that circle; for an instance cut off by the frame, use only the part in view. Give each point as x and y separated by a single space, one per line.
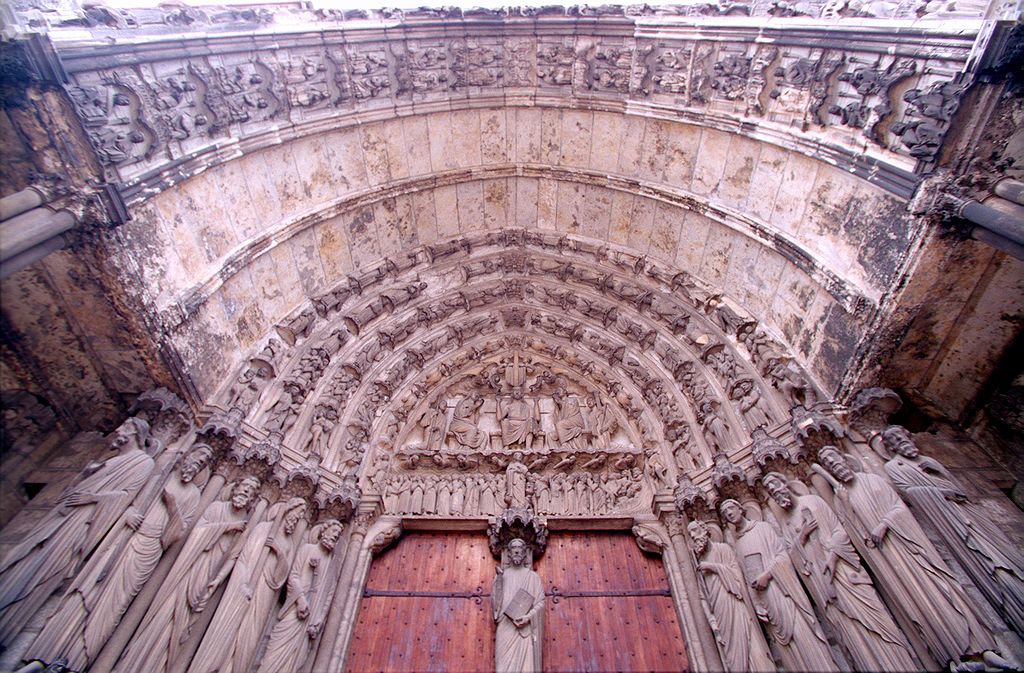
651 537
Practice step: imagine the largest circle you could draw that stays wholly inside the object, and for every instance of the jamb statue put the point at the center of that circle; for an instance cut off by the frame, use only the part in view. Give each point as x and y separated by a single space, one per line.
517 602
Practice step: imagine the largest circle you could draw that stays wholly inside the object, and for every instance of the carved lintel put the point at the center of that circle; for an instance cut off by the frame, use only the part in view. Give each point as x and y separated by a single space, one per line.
517 522
871 408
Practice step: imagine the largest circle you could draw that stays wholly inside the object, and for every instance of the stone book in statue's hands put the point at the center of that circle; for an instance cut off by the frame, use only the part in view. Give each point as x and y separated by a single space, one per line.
519 605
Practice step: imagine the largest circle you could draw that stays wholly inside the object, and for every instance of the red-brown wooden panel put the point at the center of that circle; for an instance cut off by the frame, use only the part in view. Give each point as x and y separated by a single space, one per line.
417 633
624 632
608 633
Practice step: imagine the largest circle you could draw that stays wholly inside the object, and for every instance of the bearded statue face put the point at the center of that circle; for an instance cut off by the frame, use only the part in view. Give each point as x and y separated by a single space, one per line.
834 462
897 439
778 489
700 535
517 552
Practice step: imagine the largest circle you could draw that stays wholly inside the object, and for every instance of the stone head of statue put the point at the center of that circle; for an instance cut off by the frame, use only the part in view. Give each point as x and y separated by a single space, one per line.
897 439
732 511
700 535
194 461
833 461
517 393
296 509
131 435
778 489
329 534
517 552
244 491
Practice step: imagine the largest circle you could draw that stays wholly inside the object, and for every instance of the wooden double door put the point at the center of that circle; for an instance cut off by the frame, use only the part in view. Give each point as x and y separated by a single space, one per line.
426 607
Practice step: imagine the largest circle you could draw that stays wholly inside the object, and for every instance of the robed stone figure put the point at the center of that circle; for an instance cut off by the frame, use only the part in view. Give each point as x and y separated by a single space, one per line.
981 549
231 641
157 645
294 633
779 600
517 602
832 572
908 567
739 638
93 606
54 550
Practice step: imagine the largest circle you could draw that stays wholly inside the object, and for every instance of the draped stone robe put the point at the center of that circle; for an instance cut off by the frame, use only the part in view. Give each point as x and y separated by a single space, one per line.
910 570
518 650
742 644
980 548
289 641
103 591
782 605
156 645
53 551
844 591
249 599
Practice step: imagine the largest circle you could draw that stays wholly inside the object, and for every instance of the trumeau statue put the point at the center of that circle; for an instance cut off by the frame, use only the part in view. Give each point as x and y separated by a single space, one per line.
979 547
517 603
93 606
231 641
53 550
157 644
778 598
293 632
909 569
742 645
831 569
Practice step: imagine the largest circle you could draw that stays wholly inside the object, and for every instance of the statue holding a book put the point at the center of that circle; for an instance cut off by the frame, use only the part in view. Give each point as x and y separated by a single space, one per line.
517 599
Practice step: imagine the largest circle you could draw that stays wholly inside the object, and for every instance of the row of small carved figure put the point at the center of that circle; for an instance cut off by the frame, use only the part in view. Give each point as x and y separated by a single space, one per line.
130 527
826 539
485 495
